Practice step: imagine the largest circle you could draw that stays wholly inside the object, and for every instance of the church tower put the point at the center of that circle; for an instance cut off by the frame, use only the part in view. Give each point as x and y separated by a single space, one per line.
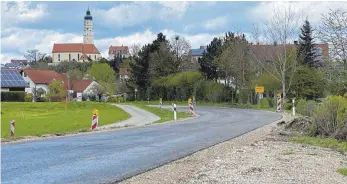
88 36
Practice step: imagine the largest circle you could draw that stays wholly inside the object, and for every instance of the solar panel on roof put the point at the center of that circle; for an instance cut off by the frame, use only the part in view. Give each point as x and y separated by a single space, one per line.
12 78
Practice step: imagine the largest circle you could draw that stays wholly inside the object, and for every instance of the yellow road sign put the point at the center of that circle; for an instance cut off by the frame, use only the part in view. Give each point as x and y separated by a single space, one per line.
189 100
259 89
95 111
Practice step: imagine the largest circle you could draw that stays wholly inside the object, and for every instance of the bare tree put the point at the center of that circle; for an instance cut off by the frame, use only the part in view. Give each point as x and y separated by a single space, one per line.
333 31
180 47
34 56
277 56
135 49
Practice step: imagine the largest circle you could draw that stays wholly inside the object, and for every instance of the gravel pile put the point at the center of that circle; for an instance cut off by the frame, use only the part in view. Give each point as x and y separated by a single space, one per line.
261 156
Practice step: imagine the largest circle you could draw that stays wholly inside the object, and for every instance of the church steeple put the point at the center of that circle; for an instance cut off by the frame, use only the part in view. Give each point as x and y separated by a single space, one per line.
88 36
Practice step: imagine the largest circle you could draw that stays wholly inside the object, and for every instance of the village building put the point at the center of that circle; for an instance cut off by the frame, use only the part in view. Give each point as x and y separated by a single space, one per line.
78 52
122 51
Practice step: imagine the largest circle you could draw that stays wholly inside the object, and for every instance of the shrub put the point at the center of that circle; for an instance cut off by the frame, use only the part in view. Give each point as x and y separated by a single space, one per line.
264 103
112 99
12 96
330 118
28 97
306 108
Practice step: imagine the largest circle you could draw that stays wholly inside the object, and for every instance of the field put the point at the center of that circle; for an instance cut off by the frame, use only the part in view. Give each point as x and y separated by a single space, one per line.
37 119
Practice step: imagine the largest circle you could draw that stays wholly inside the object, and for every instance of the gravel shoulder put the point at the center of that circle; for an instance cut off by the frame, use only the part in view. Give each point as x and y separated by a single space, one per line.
260 156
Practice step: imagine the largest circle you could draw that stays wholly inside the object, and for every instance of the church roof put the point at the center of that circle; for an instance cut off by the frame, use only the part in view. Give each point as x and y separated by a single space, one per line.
75 47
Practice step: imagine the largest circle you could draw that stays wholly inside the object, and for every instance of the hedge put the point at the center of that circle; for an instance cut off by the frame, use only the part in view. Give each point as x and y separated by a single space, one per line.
12 96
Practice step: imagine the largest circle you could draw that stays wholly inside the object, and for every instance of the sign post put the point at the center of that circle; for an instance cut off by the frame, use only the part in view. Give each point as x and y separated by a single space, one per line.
161 102
13 124
293 101
95 119
175 113
259 89
279 105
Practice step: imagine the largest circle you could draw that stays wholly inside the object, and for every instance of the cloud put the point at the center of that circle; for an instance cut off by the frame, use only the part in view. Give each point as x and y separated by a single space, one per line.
216 23
135 13
311 9
43 40
13 13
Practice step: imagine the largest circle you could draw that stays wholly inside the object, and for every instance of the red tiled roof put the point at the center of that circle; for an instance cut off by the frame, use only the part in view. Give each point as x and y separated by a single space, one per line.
80 85
19 61
75 47
124 49
43 76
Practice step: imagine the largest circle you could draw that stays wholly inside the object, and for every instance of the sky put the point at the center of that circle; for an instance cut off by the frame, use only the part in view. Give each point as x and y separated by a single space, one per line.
38 25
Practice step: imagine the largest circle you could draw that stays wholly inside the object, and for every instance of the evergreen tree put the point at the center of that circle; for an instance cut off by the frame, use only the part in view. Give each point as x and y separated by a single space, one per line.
207 65
306 54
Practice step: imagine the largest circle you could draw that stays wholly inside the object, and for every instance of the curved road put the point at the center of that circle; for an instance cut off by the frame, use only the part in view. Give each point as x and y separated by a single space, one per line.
112 156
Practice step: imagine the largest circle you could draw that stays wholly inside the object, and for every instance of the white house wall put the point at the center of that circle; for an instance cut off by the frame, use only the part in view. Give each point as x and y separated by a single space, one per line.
64 56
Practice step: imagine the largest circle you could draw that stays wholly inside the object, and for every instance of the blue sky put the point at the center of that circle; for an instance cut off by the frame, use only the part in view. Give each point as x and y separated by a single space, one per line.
37 25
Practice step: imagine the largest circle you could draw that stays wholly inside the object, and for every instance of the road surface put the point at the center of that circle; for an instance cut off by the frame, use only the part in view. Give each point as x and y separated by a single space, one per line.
112 156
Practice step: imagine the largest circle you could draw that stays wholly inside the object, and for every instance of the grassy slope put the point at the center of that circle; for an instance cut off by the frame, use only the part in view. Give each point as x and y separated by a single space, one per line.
36 119
322 142
164 114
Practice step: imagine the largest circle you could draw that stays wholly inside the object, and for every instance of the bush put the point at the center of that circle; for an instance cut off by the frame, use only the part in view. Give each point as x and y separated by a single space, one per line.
330 118
264 103
112 99
306 108
28 97
12 96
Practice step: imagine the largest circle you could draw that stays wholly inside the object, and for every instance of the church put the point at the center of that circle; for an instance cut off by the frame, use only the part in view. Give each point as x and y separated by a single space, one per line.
79 52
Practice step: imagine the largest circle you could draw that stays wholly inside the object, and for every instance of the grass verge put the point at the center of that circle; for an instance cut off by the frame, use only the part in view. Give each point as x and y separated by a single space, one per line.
37 119
164 114
322 142
342 171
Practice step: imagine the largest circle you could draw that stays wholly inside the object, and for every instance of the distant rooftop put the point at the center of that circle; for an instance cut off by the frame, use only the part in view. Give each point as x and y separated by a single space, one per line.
197 52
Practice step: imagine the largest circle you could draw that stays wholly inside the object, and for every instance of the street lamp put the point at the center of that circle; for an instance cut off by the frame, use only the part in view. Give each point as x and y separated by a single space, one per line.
135 93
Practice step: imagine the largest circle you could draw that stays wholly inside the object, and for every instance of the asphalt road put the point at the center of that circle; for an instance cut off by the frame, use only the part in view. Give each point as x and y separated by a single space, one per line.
112 156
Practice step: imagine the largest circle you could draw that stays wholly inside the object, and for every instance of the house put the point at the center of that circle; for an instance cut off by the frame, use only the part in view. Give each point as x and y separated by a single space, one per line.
81 88
79 52
42 78
11 80
18 65
123 51
124 74
197 53
267 52
24 61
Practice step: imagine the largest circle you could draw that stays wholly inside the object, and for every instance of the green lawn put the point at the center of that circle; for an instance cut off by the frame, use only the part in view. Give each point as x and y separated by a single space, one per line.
164 114
36 119
322 142
342 171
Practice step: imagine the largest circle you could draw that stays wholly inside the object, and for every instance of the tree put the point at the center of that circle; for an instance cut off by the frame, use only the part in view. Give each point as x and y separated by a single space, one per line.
162 62
56 91
104 75
333 31
141 77
34 56
135 49
306 51
308 83
207 65
180 48
280 56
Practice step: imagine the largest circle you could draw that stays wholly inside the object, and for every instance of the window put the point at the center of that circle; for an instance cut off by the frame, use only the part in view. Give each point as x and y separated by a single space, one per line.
95 57
58 57
25 75
78 57
69 57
